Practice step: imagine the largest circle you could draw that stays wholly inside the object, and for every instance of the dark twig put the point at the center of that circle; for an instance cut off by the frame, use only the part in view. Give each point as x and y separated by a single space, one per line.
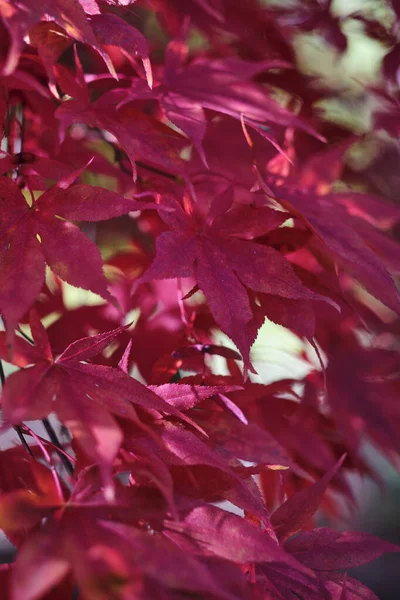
119 156
24 335
143 165
56 442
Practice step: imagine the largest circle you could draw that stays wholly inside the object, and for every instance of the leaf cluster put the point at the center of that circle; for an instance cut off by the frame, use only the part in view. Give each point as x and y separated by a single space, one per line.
172 162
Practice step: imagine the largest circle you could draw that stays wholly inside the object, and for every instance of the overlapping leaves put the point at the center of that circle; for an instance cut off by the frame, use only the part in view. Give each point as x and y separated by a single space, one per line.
41 233
253 213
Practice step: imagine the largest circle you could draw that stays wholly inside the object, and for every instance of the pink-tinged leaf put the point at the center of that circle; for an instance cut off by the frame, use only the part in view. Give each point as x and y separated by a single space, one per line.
187 449
142 137
248 221
284 582
327 550
51 41
177 50
228 536
175 255
72 84
223 266
296 315
184 396
344 242
390 64
110 30
227 297
247 496
39 567
85 397
227 353
139 135
191 293
22 270
70 254
62 242
118 392
139 90
343 595
354 590
369 208
152 467
188 116
270 273
91 7
6 164
22 352
363 263
359 393
88 347
223 85
69 14
291 516
124 362
12 204
23 509
248 442
233 408
386 248
28 394
23 80
90 423
89 203
108 552
163 561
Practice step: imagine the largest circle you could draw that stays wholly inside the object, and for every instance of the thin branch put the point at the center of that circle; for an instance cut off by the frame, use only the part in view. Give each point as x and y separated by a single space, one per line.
24 335
119 156
27 431
56 442
143 165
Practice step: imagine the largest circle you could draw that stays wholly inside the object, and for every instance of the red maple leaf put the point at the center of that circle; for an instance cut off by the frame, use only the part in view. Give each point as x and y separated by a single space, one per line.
296 512
339 234
106 546
32 235
216 250
70 15
140 135
86 397
223 86
324 549
106 30
263 217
